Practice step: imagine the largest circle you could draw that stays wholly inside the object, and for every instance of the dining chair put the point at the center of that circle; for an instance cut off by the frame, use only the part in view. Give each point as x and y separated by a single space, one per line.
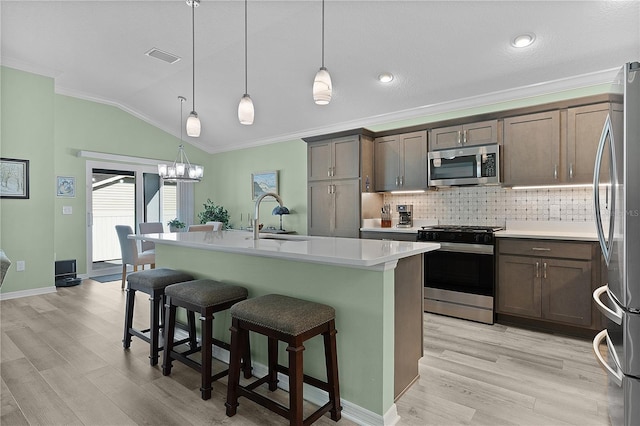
196 228
217 226
130 253
150 228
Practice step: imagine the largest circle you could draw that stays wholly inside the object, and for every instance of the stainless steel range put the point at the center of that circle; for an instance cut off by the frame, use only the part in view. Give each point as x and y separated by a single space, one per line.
459 279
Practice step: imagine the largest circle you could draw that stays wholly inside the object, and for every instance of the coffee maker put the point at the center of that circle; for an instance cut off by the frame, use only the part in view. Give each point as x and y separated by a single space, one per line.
405 212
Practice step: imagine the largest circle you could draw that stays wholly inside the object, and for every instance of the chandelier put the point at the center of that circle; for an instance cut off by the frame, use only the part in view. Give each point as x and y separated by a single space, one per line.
181 170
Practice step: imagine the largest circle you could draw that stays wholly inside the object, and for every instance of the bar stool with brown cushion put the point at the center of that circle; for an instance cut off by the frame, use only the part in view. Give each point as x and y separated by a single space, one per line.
291 320
153 283
205 297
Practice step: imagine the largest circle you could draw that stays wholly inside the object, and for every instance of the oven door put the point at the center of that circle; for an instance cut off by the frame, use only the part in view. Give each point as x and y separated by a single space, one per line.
465 268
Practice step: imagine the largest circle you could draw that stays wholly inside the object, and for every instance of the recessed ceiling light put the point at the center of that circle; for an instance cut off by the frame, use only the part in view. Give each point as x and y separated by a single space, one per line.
385 77
523 40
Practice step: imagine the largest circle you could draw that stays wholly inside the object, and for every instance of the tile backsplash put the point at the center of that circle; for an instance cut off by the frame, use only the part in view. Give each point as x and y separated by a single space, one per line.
492 205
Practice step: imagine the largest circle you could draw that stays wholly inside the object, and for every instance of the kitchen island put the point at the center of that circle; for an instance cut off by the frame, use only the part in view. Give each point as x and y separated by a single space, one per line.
374 286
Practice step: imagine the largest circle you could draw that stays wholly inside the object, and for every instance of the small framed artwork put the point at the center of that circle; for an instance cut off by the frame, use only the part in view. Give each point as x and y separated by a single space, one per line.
263 182
14 178
66 186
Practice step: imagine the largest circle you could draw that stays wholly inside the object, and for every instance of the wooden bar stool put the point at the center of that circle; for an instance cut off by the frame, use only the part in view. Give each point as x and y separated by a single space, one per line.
152 282
291 320
205 297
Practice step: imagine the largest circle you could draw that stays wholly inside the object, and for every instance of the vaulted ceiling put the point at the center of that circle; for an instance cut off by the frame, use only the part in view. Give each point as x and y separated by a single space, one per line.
443 54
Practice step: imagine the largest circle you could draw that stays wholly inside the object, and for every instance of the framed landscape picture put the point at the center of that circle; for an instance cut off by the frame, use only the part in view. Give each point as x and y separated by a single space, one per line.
14 178
263 182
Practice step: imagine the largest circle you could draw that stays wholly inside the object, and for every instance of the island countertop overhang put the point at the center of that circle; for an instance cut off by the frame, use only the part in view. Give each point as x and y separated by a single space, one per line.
347 252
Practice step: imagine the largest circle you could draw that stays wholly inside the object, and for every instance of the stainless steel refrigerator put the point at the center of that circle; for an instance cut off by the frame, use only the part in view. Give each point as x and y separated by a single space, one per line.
617 209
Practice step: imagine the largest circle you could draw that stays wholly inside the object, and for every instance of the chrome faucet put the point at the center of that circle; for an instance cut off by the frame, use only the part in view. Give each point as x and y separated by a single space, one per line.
256 220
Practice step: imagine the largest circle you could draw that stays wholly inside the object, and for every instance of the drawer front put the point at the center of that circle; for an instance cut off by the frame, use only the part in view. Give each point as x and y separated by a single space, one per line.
546 248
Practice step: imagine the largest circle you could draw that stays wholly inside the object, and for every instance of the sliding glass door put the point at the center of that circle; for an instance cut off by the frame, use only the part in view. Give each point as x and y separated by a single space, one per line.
122 195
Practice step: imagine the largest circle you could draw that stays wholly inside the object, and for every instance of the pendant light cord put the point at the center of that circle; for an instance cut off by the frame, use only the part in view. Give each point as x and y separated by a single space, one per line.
193 50
245 48
322 33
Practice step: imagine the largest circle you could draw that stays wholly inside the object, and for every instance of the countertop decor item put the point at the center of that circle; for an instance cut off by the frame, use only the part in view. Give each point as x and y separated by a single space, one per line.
181 170
14 178
280 210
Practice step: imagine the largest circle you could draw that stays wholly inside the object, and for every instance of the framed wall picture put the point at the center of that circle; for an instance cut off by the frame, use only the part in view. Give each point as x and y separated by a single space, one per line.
14 178
263 182
66 186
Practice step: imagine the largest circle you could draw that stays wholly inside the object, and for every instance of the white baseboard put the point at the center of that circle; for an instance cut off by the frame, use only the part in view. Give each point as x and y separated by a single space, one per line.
316 396
27 293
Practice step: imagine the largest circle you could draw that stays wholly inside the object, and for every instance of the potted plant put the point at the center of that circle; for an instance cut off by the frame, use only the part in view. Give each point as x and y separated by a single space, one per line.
175 225
214 213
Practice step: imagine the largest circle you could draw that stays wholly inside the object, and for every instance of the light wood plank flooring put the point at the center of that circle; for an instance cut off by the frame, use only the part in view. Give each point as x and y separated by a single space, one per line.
62 363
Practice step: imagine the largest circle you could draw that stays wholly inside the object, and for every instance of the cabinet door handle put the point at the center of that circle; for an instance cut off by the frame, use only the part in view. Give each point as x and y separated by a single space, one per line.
540 249
329 172
397 180
555 171
464 137
544 268
459 137
401 180
537 269
328 189
570 170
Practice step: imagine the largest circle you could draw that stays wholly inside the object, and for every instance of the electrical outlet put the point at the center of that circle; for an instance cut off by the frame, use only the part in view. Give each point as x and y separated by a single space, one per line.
67 210
20 265
554 212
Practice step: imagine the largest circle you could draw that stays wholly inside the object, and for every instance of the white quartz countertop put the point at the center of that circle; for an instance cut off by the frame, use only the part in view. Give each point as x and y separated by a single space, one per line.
552 230
349 252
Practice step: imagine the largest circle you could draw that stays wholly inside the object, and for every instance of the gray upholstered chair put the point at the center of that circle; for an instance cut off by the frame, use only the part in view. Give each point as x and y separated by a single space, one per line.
130 253
4 265
196 228
150 228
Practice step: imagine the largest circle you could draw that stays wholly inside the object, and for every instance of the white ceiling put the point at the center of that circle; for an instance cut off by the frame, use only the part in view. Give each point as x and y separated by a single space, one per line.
443 53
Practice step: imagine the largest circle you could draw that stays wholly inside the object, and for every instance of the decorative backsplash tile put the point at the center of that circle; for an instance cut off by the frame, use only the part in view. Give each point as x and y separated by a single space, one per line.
491 205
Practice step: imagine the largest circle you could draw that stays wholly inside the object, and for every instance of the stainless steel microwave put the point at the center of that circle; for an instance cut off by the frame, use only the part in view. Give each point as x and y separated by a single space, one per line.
475 165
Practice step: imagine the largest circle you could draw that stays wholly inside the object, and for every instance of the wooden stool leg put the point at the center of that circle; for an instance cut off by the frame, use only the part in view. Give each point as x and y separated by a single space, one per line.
296 376
169 329
206 323
154 326
191 323
272 350
233 381
246 357
331 359
128 318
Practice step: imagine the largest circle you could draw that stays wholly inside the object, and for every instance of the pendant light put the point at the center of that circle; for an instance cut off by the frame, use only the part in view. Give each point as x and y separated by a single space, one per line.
245 109
193 122
181 170
322 83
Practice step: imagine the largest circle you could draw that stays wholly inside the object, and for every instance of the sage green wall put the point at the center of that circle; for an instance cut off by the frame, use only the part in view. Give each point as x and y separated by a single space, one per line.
232 186
49 129
26 226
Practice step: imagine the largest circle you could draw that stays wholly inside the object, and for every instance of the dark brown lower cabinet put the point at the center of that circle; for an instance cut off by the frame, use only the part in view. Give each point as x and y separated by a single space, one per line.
548 280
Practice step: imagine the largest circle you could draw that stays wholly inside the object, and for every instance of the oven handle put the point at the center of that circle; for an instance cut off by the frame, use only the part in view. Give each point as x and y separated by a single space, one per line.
616 375
466 248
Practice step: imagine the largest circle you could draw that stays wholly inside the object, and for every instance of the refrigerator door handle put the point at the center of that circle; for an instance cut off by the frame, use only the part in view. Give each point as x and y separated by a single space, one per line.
614 314
616 374
606 130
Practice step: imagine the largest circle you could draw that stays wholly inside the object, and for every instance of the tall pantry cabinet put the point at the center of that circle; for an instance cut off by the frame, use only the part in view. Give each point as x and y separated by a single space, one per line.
339 169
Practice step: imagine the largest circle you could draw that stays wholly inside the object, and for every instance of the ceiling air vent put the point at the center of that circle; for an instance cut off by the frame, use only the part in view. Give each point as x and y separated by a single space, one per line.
163 56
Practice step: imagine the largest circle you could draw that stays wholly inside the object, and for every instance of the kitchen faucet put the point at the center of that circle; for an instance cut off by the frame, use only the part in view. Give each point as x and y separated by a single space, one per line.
256 220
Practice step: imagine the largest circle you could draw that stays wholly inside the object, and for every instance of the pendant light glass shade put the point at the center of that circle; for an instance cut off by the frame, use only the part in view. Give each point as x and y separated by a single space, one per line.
245 110
193 125
322 87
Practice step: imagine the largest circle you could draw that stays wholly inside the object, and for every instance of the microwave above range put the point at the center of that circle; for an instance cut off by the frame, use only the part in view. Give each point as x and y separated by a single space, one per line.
476 165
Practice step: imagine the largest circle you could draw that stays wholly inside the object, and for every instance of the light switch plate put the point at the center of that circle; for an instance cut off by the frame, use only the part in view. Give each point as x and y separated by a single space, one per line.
554 212
67 210
20 265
